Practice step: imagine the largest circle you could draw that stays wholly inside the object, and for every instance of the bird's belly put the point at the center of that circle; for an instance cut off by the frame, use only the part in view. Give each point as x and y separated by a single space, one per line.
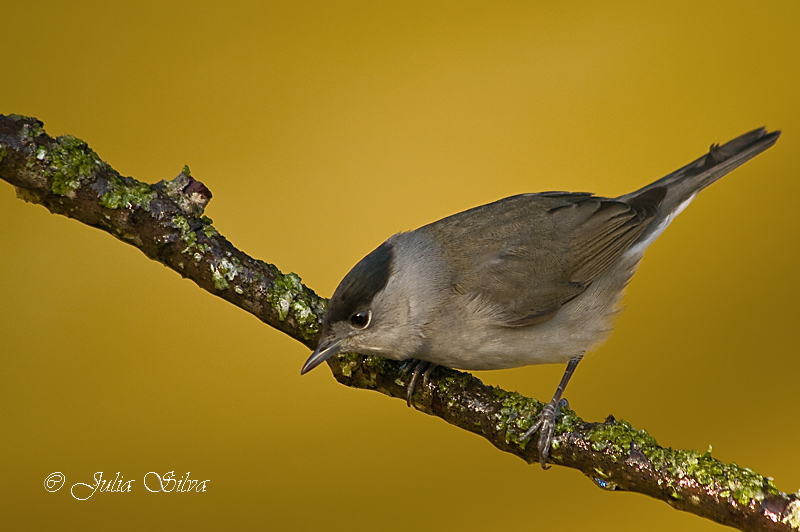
501 348
580 326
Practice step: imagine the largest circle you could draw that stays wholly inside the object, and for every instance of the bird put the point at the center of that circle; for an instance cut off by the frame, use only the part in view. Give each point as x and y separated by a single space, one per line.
530 279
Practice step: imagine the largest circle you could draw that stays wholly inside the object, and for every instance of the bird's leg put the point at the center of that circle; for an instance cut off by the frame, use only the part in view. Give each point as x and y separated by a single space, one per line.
546 422
417 367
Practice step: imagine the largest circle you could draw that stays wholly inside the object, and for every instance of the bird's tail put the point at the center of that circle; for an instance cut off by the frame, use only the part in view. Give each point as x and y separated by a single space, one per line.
682 185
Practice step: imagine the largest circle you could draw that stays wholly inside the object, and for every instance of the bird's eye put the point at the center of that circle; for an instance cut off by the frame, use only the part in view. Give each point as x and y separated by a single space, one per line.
360 319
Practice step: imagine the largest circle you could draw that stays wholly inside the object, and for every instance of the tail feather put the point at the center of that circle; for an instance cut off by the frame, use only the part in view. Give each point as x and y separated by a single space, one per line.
683 185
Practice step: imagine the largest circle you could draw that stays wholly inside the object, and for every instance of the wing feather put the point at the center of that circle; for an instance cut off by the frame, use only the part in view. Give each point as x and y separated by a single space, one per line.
531 254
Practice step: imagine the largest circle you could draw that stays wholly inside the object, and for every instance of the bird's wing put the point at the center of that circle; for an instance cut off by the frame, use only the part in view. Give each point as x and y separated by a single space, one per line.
529 255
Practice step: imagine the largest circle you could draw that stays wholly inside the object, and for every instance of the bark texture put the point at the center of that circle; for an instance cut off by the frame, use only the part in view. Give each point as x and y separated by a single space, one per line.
166 222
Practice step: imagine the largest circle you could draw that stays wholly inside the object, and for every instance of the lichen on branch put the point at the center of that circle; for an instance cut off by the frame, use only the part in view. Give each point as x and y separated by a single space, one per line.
167 222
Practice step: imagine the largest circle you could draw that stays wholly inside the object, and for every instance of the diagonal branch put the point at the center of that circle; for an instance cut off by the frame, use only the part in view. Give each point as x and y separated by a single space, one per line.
166 222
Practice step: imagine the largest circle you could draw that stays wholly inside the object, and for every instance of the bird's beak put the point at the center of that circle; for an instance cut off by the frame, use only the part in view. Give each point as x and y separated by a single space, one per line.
326 349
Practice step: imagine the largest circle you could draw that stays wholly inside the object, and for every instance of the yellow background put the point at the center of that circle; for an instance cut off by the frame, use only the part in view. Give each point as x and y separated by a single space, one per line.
324 127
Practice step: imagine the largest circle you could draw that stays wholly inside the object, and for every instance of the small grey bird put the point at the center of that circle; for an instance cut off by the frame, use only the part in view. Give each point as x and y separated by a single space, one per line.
529 279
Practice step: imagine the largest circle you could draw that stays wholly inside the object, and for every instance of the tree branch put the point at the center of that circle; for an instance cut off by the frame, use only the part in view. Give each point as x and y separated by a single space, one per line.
166 222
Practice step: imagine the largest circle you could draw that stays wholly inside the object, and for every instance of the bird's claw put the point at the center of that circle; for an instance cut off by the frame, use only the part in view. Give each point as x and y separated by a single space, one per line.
417 367
546 425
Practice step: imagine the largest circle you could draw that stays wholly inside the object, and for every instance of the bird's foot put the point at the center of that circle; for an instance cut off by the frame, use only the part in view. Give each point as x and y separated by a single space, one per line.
417 367
546 425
